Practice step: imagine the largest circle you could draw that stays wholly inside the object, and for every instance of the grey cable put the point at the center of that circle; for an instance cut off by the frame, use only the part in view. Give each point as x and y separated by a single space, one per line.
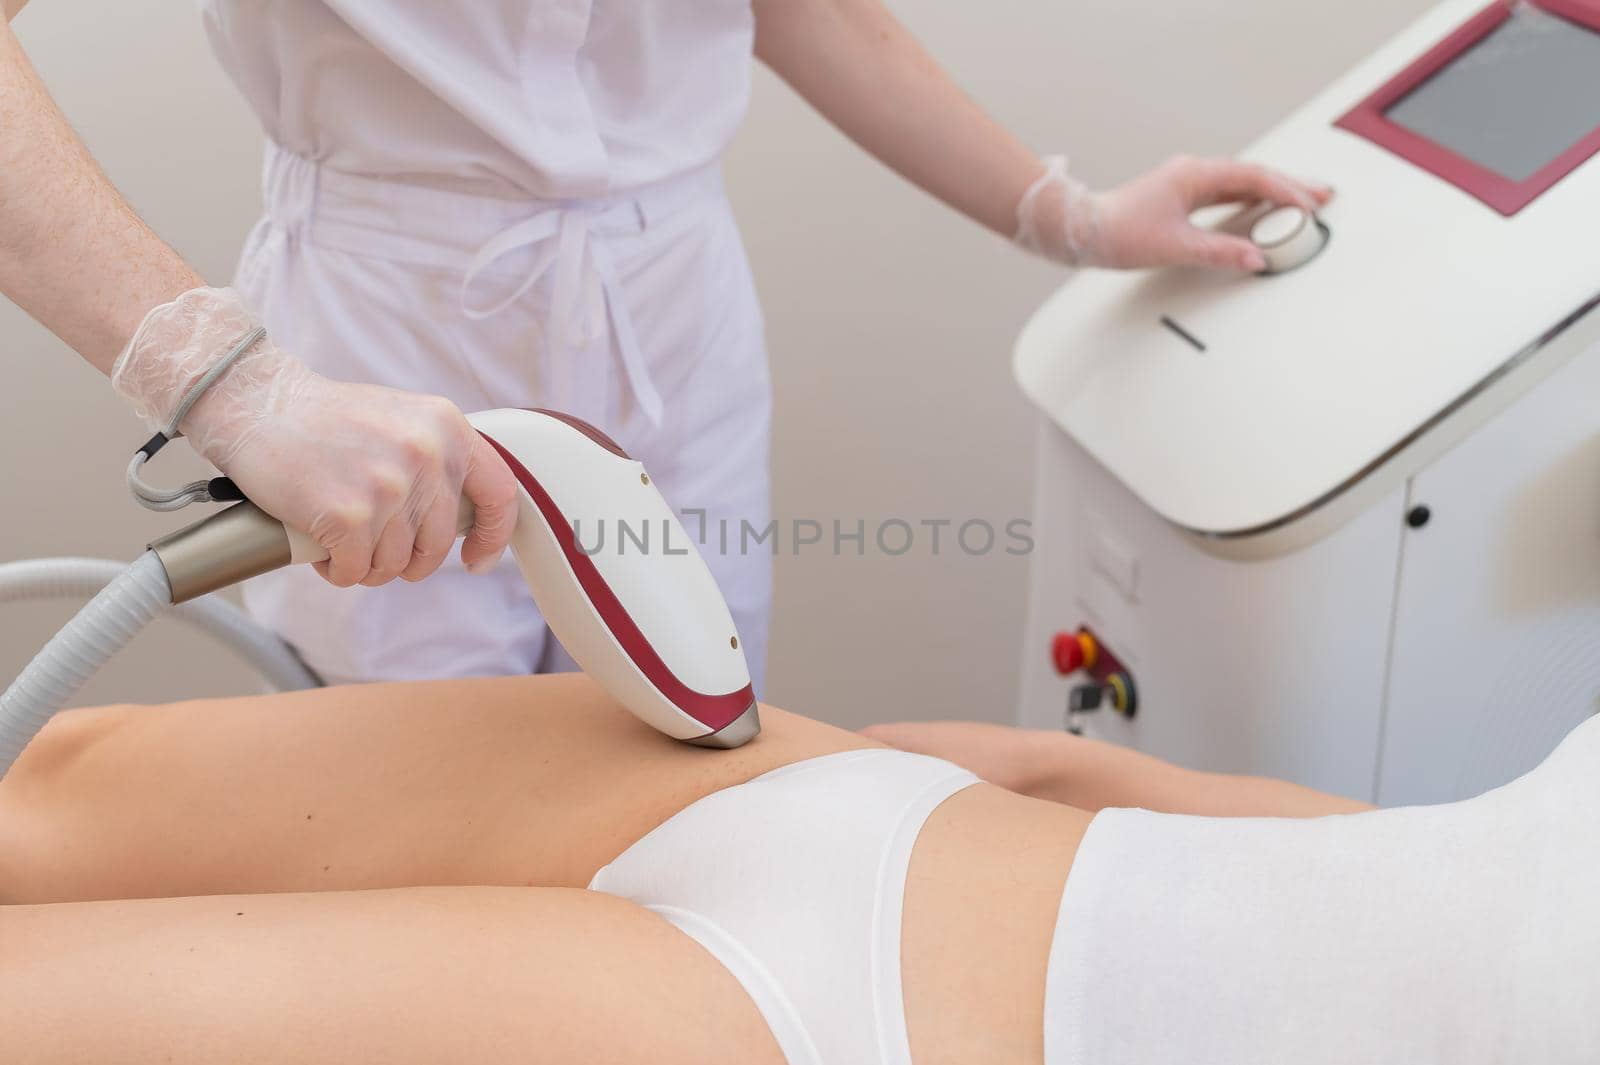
152 498
220 367
38 579
83 645
128 598
164 499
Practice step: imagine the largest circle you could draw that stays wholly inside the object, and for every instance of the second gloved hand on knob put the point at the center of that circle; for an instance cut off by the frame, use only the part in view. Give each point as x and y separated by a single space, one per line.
1145 222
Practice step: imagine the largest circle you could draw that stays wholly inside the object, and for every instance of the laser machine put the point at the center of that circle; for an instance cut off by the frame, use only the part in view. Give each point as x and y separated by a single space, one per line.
1340 522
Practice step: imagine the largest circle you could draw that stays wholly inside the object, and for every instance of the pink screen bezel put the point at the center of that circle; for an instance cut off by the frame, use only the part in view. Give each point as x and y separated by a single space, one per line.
1367 119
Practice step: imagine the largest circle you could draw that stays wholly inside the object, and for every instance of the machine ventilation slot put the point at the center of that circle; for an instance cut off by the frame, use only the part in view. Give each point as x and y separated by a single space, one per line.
1193 341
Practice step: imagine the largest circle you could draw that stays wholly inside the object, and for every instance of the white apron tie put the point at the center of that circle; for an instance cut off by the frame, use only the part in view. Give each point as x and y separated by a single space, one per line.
569 240
584 290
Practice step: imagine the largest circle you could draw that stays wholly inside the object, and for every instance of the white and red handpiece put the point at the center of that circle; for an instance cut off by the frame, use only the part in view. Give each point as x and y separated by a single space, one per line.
633 603
639 611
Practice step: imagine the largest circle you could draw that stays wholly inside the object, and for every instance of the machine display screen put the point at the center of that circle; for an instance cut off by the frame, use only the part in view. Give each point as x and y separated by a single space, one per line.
1514 101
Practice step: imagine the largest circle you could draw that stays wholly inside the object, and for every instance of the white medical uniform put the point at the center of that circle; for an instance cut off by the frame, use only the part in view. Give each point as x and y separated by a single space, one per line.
510 203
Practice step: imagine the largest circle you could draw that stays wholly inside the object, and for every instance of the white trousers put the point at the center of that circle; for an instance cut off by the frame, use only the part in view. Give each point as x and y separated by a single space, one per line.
637 313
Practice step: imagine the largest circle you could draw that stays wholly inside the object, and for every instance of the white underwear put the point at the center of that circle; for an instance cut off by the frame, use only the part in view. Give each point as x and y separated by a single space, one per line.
1460 934
795 882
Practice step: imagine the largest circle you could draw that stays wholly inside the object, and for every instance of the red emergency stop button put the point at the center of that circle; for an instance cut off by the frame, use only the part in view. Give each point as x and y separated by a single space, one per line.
1072 651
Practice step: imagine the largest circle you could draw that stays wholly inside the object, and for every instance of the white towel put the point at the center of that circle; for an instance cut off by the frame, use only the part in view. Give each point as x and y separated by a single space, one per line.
1458 934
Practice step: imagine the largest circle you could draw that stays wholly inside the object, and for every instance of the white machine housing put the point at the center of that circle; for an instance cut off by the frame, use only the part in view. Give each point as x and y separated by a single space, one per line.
1342 523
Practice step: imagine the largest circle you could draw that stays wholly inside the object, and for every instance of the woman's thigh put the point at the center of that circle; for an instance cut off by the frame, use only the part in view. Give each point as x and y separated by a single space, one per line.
477 976
507 781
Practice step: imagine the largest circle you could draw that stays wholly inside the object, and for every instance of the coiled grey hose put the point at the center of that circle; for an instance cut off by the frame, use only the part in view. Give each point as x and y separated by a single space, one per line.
128 599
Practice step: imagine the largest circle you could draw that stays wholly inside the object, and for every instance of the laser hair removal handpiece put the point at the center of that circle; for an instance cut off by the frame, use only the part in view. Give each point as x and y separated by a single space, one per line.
650 625
641 613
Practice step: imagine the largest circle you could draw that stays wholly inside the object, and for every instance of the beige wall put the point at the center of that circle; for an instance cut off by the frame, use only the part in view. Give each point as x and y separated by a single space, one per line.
890 320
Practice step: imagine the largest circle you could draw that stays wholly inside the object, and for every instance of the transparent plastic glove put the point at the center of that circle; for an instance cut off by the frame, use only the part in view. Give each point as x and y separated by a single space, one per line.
372 474
1145 222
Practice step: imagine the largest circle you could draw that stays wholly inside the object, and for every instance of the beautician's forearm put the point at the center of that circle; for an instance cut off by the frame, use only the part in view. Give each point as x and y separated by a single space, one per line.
861 69
72 252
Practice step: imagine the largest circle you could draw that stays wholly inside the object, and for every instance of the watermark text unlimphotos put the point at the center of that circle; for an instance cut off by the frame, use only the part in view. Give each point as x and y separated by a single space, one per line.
894 537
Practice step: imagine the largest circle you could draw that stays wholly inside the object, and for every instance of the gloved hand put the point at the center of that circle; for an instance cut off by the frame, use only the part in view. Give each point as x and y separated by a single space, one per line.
372 474
1145 222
